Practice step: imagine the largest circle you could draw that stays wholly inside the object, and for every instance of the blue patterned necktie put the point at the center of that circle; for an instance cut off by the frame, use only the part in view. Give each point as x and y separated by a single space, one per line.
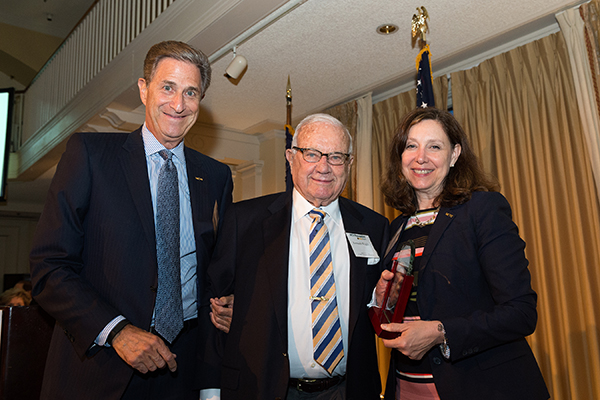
168 318
328 348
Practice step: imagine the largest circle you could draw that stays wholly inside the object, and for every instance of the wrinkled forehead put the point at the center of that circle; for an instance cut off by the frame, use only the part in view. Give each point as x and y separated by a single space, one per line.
323 136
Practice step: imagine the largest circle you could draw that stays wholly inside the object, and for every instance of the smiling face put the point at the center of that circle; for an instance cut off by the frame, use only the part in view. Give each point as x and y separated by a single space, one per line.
426 160
172 100
320 183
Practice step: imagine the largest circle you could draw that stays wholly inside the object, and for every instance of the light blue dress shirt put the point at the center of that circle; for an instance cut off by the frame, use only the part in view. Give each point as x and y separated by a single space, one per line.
186 229
187 243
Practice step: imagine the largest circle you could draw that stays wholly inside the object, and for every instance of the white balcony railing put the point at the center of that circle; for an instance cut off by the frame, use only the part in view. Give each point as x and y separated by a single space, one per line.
101 35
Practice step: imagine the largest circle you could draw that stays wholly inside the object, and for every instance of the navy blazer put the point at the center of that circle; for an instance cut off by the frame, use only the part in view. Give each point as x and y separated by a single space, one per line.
474 278
94 254
252 261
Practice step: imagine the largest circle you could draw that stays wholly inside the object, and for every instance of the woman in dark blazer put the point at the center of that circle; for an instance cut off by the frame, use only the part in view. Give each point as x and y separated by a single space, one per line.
472 305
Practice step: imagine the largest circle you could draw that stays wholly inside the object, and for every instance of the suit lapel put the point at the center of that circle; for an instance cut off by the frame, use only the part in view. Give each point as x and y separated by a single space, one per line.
358 266
133 162
196 178
389 251
442 221
198 184
276 236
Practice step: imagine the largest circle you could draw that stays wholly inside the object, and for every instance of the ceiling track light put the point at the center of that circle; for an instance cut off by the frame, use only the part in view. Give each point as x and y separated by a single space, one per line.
237 66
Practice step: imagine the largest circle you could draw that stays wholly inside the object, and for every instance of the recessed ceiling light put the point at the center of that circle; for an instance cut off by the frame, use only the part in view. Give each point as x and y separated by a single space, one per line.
387 29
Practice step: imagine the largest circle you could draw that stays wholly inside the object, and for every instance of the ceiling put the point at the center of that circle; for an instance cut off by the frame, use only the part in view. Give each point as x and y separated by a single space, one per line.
332 53
31 31
51 17
329 48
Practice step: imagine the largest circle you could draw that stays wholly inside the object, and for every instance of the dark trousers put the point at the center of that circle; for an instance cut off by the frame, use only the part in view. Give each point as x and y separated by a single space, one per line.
163 384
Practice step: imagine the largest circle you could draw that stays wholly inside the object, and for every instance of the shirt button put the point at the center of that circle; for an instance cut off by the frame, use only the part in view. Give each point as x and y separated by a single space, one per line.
437 361
312 365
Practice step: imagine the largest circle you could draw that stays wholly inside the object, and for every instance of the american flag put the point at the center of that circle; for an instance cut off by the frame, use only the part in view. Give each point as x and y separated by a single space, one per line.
424 79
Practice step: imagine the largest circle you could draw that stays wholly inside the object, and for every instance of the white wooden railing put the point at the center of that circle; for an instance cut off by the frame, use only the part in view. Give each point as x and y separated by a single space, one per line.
101 35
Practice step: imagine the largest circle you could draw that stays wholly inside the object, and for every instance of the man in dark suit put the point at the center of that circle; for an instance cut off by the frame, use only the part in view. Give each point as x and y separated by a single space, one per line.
100 262
274 253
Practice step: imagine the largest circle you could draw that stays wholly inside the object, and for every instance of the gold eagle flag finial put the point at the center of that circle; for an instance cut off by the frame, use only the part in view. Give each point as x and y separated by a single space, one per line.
419 23
288 100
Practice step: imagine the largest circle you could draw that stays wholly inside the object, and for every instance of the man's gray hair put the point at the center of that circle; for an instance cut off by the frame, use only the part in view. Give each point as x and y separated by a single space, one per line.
325 119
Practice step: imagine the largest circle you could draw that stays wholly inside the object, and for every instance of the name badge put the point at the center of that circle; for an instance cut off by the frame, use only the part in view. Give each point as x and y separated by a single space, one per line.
362 247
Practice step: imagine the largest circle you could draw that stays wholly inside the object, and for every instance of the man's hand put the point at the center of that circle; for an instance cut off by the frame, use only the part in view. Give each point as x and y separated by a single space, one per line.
143 350
416 339
222 312
381 286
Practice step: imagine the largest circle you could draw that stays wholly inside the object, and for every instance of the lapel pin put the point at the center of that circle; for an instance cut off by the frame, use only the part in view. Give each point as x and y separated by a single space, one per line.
449 215
199 179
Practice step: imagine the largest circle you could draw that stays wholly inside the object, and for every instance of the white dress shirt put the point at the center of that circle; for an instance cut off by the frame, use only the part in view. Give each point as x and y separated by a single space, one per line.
300 344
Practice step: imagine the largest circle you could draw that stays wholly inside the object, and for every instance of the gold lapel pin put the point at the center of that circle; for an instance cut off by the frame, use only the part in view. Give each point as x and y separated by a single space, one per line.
199 179
449 215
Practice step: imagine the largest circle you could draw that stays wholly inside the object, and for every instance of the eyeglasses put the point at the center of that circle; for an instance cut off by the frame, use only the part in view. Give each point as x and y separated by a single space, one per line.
314 156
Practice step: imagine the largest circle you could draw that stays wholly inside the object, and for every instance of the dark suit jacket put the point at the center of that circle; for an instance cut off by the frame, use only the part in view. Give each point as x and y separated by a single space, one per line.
255 247
474 279
94 254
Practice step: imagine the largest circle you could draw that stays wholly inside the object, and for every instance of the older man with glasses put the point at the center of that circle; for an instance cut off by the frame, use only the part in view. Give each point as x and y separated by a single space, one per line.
302 265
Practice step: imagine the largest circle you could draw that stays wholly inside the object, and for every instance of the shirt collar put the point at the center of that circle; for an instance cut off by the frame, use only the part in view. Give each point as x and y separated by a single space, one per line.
301 207
152 145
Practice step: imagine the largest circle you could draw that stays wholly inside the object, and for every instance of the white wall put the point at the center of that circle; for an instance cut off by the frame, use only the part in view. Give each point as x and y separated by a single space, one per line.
272 153
257 162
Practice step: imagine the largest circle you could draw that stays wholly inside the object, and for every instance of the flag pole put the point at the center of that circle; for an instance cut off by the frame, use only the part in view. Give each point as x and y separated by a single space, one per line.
423 61
289 133
288 100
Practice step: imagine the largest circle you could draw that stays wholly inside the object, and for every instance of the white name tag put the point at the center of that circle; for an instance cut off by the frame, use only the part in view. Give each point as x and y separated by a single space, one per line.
362 247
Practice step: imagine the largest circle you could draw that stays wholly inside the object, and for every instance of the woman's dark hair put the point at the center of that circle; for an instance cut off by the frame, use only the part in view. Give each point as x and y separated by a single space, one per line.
462 180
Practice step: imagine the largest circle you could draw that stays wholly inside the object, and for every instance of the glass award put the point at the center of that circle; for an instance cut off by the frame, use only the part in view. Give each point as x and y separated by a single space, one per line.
397 292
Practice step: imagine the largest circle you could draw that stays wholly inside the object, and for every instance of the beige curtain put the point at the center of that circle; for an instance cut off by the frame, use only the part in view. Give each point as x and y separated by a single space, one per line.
591 15
520 112
363 162
573 29
347 114
387 115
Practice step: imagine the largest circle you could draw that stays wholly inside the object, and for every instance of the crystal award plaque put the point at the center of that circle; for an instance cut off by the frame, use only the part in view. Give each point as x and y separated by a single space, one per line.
396 293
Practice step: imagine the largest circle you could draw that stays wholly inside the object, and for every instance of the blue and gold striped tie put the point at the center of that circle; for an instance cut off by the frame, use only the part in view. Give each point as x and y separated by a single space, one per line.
328 348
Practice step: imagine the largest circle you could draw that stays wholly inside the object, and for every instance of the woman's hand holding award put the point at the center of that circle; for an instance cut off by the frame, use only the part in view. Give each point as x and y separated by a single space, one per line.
395 298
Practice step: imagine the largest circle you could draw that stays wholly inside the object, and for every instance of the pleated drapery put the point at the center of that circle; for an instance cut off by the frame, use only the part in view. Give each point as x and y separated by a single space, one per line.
521 115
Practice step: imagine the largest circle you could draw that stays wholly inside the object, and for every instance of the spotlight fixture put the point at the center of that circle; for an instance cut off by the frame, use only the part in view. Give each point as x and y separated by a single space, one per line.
236 66
387 29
